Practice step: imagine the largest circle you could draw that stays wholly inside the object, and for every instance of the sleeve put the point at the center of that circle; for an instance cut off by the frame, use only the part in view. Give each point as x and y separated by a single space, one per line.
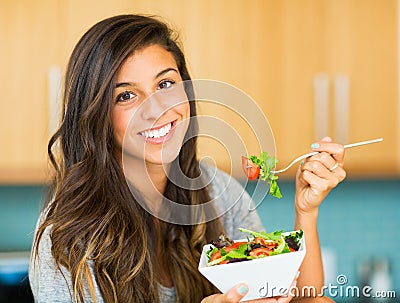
51 283
235 205
48 284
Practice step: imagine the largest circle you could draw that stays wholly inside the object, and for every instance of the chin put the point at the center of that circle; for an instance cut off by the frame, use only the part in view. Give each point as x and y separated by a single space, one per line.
166 158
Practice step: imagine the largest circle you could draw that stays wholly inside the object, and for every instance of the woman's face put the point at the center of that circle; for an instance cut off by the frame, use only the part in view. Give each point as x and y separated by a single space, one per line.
151 112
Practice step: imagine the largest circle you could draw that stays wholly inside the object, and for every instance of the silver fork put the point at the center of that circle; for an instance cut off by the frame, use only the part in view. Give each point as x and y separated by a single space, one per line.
316 152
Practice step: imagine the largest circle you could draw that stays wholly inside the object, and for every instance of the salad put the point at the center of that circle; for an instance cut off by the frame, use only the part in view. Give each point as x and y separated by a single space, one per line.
262 168
262 244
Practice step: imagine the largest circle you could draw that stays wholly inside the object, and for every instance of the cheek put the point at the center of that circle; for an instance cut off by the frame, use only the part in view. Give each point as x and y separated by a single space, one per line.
184 112
184 109
120 123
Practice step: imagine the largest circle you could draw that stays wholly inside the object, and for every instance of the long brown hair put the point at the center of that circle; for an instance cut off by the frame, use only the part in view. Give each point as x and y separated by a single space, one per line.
93 216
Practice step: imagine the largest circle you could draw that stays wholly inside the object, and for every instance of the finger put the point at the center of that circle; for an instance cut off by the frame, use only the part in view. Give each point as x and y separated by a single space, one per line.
336 171
331 178
235 294
211 299
326 139
324 165
317 184
334 149
318 168
325 158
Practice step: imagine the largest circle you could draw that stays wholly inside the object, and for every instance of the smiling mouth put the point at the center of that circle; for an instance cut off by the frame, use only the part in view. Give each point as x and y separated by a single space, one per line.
158 132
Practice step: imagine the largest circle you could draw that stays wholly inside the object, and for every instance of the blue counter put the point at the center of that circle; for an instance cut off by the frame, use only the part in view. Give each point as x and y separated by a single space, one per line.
359 222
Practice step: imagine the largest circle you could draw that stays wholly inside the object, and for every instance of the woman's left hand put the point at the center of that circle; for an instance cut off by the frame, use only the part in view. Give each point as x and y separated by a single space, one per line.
318 175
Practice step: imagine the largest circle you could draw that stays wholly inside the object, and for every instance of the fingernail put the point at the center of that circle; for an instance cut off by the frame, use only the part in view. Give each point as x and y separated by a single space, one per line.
314 145
242 290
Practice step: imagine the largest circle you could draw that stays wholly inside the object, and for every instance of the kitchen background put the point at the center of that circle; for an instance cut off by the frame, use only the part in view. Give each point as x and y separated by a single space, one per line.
314 67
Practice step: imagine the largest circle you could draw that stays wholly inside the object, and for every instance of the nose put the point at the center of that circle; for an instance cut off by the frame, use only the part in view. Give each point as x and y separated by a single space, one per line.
154 106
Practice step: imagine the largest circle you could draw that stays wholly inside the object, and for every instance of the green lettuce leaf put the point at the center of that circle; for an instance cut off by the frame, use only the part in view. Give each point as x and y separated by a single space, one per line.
267 165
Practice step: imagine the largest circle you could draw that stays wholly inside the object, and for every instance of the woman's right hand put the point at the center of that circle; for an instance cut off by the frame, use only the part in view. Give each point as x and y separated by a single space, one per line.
236 293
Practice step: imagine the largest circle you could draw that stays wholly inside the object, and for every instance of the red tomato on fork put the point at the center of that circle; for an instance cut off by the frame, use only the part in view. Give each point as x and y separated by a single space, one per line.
251 170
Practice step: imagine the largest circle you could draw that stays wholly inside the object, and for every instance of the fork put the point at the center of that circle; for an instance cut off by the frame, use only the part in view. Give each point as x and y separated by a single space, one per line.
316 152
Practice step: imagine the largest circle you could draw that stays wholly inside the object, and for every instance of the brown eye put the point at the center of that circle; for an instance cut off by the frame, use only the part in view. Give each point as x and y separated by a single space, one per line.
125 96
165 84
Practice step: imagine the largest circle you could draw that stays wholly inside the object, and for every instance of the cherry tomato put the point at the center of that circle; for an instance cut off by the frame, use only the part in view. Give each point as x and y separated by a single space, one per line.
264 242
227 249
260 252
237 244
251 170
215 256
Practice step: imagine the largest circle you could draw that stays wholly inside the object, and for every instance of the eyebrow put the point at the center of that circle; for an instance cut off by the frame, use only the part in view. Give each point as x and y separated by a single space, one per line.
164 71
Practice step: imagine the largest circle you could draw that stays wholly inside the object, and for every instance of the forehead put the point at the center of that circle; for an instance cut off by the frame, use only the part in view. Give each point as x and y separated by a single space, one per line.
145 63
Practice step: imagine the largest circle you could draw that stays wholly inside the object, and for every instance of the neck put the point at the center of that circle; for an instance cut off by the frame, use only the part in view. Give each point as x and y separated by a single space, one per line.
158 176
149 179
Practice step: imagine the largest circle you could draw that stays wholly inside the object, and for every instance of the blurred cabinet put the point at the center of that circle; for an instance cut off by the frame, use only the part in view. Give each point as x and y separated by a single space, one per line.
28 47
34 37
360 40
272 50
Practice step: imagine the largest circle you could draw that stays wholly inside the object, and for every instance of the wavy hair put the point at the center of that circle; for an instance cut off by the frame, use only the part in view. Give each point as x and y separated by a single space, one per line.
96 227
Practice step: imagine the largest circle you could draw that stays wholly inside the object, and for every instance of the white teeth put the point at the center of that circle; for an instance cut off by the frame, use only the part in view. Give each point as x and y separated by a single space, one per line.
157 133
162 132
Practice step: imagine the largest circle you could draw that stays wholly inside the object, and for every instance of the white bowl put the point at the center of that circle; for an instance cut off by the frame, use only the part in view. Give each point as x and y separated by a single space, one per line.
266 277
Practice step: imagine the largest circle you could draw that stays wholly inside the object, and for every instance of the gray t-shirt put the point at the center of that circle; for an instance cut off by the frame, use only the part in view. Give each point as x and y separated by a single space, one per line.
50 285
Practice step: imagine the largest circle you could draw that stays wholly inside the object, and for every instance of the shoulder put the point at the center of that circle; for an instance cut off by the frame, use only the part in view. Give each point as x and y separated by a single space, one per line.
51 282
48 282
220 184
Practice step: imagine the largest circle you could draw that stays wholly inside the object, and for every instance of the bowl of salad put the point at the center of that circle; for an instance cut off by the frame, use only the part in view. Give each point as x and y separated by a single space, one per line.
266 262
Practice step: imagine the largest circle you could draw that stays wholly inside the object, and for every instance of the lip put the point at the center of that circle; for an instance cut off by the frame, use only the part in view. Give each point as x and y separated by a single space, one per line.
161 139
157 127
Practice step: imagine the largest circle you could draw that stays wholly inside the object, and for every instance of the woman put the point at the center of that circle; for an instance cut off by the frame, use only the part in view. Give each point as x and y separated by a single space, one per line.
99 238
